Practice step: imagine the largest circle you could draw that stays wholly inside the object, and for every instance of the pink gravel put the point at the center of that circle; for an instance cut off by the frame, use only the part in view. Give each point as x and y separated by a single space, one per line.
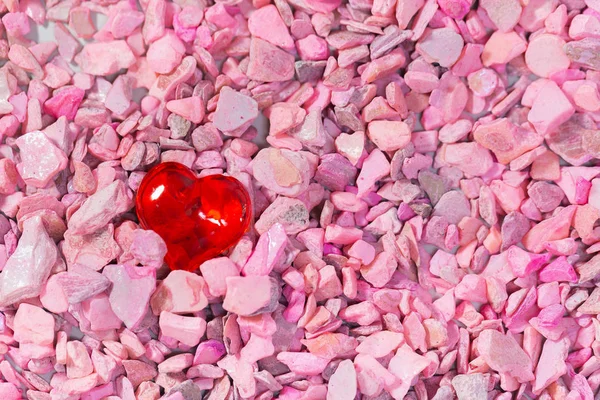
426 198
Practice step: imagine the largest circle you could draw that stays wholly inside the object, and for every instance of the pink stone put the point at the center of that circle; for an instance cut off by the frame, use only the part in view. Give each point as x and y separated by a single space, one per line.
303 363
263 291
503 354
130 293
180 292
551 364
28 268
502 48
550 109
312 48
442 46
545 55
30 168
389 135
342 384
187 330
269 63
504 14
114 56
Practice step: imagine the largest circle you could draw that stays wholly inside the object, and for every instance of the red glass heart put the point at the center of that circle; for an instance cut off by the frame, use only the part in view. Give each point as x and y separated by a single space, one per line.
198 218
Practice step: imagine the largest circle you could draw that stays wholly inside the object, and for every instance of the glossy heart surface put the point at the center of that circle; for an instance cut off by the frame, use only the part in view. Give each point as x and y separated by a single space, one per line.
198 218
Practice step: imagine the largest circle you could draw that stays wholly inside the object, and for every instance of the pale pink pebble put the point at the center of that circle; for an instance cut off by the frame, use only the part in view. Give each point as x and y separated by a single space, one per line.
551 364
80 20
19 103
267 253
351 146
251 295
380 270
343 384
79 363
176 363
23 58
266 23
371 375
165 53
234 110
187 330
55 76
406 10
154 24
118 98
583 26
557 20
471 386
291 213
9 391
9 125
163 85
550 109
125 22
406 365
8 176
147 390
64 102
504 14
375 167
442 46
554 228
483 82
502 48
548 294
584 94
545 55
130 294
590 306
503 354
414 332
209 352
68 46
342 235
456 9
509 197
98 311
180 292
33 120
33 325
28 268
534 14
524 263
303 363
114 55
312 48
471 158
79 385
380 344
53 297
389 135
363 251
16 24
383 66
329 285
129 346
284 116
215 272
269 63
471 287
148 248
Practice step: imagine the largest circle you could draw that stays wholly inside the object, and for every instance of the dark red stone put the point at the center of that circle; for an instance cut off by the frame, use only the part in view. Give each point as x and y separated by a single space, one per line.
198 218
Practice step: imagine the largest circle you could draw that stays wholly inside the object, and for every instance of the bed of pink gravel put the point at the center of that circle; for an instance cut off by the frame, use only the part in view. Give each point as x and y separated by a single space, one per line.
425 204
